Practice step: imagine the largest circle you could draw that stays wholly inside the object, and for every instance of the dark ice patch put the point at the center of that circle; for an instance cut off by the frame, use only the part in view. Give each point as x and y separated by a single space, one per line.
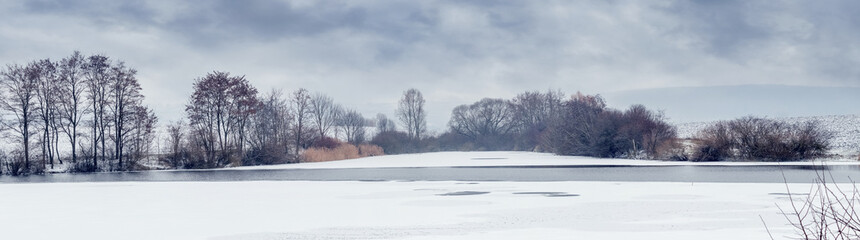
549 194
462 193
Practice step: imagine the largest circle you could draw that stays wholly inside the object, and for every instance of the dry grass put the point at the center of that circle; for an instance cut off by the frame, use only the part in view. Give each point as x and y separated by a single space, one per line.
341 152
369 150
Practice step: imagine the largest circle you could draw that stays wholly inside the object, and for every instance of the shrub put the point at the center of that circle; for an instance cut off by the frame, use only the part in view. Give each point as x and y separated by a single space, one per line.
367 150
344 151
395 142
588 128
753 138
827 211
267 154
325 142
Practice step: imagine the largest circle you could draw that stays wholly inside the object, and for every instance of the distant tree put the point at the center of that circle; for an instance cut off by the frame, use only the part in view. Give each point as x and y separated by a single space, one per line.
70 98
97 78
353 124
577 130
384 124
300 104
411 113
489 123
20 86
394 142
533 112
324 112
141 132
125 106
647 131
270 131
175 143
218 110
46 72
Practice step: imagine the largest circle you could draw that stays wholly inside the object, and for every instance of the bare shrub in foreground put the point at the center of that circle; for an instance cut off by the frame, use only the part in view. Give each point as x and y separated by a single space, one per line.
827 212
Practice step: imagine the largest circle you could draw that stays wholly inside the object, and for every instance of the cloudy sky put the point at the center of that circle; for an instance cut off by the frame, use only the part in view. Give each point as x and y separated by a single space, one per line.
366 53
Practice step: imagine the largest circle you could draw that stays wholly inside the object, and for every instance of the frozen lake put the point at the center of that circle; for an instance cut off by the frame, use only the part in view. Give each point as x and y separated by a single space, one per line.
690 173
446 195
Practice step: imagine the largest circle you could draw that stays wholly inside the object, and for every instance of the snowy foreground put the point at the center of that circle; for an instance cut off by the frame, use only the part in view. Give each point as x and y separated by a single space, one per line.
400 210
392 210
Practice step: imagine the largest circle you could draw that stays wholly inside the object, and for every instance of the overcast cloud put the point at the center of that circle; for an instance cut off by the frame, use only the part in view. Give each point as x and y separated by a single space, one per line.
366 53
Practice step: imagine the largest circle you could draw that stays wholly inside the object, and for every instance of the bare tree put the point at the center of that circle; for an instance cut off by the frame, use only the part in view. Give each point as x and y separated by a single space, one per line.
47 99
219 107
488 122
300 104
124 92
383 124
97 78
176 136
270 131
140 130
577 130
353 125
71 99
533 113
411 113
20 85
647 131
325 113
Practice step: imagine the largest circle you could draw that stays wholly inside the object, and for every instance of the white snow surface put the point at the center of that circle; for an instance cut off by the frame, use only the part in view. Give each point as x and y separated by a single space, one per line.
479 159
393 210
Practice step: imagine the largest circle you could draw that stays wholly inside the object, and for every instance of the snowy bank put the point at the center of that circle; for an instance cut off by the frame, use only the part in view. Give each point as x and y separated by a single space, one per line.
488 159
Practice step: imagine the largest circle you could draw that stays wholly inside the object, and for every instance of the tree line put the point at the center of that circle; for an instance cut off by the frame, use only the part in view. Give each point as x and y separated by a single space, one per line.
583 125
89 107
546 122
86 113
231 124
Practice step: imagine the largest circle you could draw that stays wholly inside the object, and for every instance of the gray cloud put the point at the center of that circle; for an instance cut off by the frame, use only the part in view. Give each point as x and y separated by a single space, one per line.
366 52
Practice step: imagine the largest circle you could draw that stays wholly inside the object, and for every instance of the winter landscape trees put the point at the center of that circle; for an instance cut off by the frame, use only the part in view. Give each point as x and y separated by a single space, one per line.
49 98
218 112
86 113
411 113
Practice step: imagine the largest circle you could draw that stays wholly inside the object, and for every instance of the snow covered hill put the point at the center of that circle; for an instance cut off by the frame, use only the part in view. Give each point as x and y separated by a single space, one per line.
846 129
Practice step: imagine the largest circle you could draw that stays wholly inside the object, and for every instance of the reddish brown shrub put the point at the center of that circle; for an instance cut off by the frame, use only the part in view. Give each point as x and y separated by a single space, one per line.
326 142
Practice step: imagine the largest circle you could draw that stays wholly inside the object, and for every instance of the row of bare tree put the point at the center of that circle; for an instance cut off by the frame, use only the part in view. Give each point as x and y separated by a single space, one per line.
581 125
231 124
537 121
91 107
80 106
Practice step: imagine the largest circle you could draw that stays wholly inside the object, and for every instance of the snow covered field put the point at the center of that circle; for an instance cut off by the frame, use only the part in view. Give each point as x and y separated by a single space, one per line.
392 210
479 159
